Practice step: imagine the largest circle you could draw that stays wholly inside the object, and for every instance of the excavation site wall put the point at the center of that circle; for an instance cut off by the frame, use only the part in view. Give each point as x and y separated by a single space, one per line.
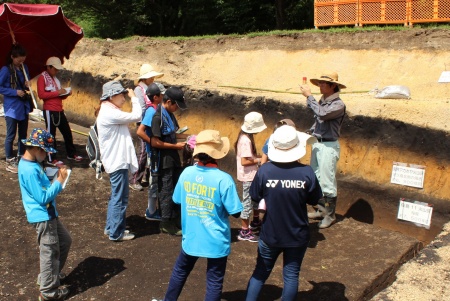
225 78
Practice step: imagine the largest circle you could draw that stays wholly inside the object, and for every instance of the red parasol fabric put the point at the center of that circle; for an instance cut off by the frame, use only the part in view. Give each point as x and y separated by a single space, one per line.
42 29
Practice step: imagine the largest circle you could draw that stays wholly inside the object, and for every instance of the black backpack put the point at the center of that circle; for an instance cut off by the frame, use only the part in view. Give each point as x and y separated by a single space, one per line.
93 151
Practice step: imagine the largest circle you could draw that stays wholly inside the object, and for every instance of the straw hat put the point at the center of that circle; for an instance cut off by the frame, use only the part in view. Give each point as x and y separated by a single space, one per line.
285 122
253 123
331 77
147 71
288 145
210 143
40 138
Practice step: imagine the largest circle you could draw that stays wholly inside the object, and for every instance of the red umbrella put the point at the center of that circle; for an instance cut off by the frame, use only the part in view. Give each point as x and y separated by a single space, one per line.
42 29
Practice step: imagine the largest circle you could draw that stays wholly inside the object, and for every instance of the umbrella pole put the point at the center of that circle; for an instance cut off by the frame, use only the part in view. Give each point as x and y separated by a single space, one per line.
31 90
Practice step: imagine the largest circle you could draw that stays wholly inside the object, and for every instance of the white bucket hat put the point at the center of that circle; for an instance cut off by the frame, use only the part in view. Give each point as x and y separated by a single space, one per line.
147 71
253 123
288 145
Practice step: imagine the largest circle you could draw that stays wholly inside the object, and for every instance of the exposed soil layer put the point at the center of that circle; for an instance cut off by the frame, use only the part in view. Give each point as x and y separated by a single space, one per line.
224 79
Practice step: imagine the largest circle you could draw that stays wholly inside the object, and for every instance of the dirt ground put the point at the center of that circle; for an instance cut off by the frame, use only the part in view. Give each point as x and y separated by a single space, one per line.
99 269
372 244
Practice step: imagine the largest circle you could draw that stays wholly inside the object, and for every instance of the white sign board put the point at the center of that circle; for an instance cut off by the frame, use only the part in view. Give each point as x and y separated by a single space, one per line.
416 212
409 176
445 77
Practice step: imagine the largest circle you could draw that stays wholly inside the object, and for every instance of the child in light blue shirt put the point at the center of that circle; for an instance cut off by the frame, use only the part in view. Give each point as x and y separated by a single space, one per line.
38 197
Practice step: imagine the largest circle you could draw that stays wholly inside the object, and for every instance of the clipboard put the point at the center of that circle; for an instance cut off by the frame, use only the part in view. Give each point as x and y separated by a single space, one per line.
182 130
52 172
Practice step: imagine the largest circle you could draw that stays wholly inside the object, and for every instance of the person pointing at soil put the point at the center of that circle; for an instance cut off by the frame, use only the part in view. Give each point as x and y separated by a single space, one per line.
329 114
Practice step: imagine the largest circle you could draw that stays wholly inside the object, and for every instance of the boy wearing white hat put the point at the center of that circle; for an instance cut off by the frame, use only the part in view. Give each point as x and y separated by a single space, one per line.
286 186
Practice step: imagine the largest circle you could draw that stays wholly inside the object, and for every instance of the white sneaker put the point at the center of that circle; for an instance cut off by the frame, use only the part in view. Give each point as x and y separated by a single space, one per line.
126 236
136 187
106 232
12 167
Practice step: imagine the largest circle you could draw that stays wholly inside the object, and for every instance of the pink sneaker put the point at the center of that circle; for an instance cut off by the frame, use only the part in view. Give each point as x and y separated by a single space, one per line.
75 158
55 163
247 235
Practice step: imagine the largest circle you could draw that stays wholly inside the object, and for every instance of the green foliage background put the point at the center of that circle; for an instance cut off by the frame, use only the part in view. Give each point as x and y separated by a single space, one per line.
121 18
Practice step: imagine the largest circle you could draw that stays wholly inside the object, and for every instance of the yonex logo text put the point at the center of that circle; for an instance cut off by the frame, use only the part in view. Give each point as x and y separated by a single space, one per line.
286 184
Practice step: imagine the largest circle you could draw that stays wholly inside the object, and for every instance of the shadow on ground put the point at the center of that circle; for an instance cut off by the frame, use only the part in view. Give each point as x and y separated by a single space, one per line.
91 272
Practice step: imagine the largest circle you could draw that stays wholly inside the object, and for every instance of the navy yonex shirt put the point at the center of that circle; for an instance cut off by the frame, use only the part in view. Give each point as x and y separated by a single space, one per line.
286 189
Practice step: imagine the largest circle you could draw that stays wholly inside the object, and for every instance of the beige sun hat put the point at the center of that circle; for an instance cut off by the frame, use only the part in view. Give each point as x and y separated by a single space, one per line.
210 143
253 123
55 62
147 71
331 77
286 144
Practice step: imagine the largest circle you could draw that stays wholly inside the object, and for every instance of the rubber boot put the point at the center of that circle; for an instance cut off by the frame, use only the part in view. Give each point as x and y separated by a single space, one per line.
330 209
320 211
170 228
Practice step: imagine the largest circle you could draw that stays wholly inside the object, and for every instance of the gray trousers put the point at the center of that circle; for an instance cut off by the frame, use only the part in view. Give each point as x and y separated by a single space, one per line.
54 243
324 158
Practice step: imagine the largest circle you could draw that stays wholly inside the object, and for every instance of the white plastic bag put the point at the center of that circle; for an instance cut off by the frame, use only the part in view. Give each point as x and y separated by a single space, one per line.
36 115
395 92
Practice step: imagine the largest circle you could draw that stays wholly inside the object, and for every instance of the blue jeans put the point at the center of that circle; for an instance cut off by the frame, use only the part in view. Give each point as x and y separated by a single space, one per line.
117 205
267 256
12 125
215 273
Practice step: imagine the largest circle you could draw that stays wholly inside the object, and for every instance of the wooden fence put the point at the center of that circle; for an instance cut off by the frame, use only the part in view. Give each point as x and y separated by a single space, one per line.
361 12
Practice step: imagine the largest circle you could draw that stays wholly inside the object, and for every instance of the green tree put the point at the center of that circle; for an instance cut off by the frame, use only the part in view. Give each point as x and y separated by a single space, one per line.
121 18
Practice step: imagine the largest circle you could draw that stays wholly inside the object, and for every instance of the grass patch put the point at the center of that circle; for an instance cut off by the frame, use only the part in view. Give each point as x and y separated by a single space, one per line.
332 29
140 48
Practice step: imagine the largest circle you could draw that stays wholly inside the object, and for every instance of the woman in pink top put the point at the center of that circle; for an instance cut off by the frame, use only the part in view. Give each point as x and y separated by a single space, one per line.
247 162
50 91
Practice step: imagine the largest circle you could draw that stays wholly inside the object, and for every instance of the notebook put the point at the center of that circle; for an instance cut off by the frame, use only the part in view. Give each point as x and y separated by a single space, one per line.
52 172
